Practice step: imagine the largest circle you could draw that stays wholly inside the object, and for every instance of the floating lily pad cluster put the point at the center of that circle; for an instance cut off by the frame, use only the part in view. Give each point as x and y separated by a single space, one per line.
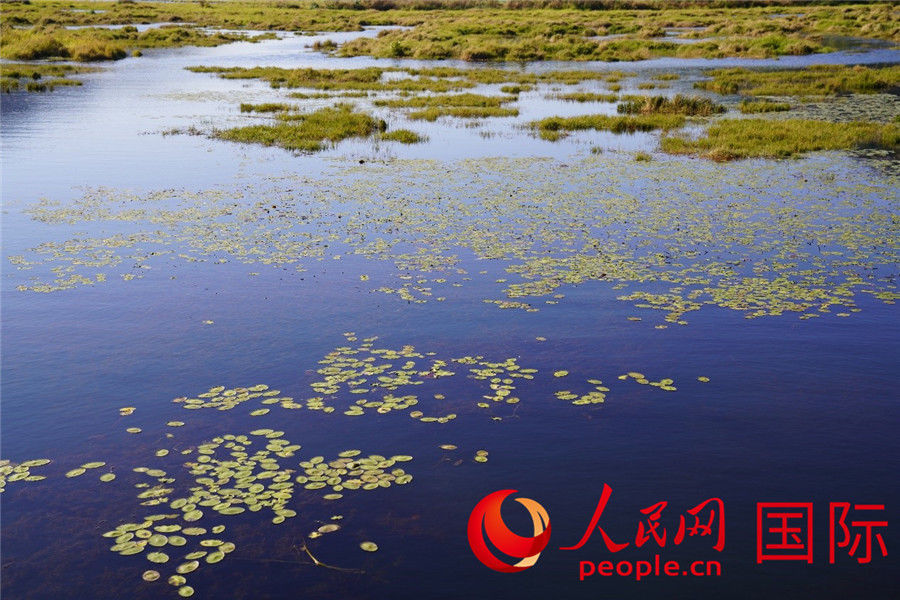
162 542
84 468
225 399
595 396
11 472
351 472
807 238
663 384
230 478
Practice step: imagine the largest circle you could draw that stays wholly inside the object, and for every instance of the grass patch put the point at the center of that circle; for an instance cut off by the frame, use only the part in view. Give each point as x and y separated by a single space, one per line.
33 77
481 30
763 106
404 136
366 79
473 100
308 132
587 97
553 128
404 80
824 80
677 105
267 107
515 90
745 138
432 113
96 44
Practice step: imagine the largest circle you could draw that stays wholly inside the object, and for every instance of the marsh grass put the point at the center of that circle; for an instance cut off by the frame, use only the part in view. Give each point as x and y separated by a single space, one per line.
762 106
554 128
745 138
481 30
676 105
446 100
97 44
819 80
432 113
403 136
308 132
34 75
267 107
587 97
365 79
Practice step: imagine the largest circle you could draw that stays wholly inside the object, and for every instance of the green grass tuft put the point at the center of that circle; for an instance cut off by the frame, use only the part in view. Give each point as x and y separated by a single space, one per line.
553 128
745 138
404 136
677 105
763 106
820 80
308 132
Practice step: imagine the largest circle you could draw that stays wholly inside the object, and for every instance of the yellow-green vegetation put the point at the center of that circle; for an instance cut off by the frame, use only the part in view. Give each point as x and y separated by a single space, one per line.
432 113
369 78
819 80
728 240
454 105
676 105
234 475
554 128
482 34
587 97
95 44
403 136
447 100
11 472
745 138
481 30
762 106
39 77
307 132
384 79
267 107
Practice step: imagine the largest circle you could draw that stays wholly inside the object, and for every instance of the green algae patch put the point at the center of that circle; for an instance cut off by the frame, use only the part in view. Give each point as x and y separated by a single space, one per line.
554 128
309 132
733 139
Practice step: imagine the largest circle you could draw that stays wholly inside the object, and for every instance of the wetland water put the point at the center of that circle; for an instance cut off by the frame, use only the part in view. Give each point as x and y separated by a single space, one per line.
139 268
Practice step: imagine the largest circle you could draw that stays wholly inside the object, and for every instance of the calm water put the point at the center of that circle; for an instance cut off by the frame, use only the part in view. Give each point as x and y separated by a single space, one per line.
796 410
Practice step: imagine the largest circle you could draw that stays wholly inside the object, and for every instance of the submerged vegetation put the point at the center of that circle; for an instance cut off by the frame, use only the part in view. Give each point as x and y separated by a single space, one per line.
746 138
307 132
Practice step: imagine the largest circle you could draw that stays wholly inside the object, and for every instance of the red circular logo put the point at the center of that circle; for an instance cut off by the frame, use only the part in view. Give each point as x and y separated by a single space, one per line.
486 520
